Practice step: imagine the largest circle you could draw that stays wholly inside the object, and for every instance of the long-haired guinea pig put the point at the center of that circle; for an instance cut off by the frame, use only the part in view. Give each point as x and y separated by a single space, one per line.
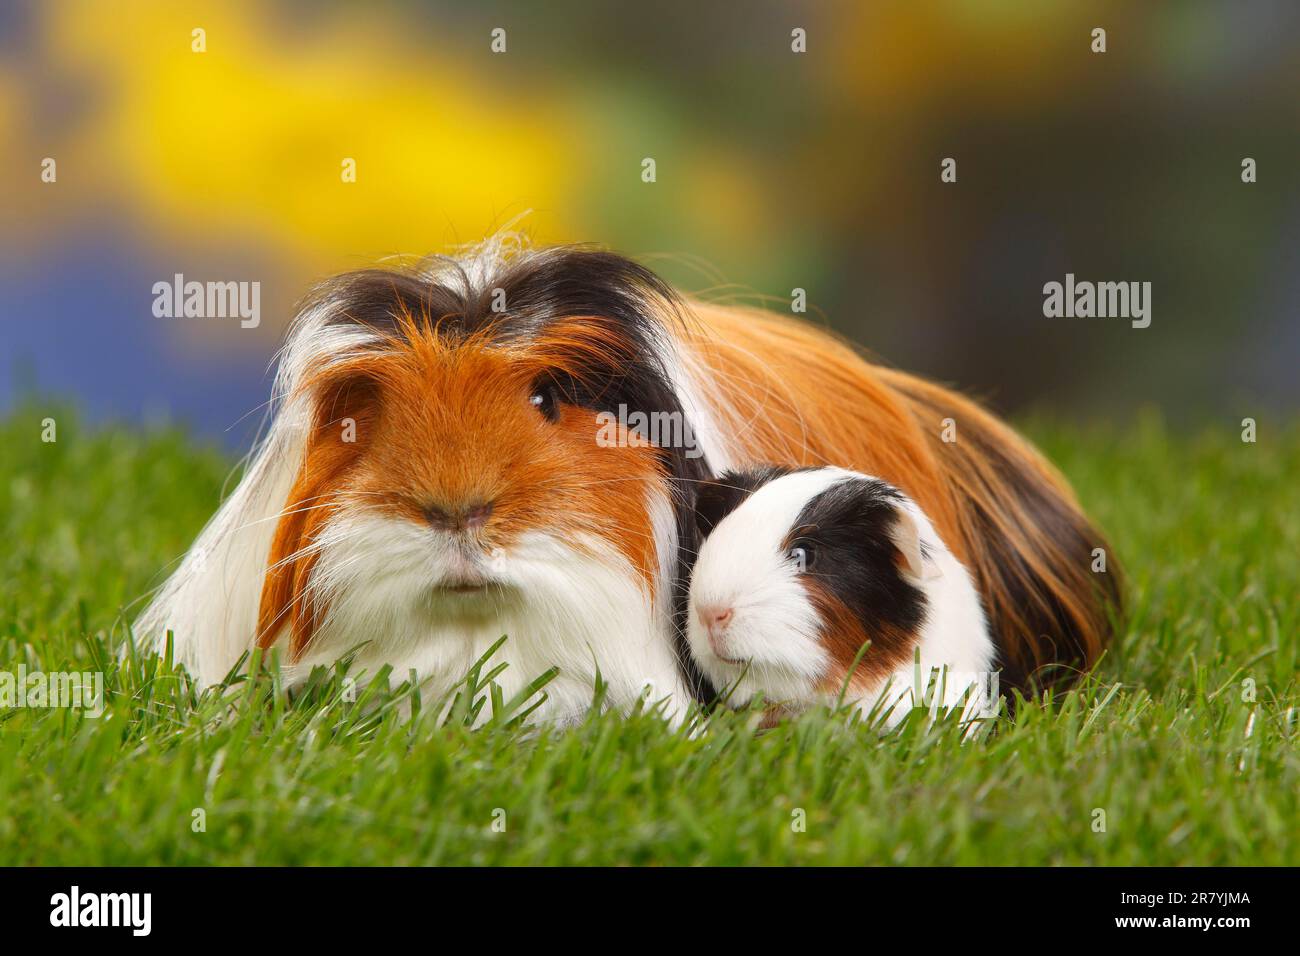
799 569
454 459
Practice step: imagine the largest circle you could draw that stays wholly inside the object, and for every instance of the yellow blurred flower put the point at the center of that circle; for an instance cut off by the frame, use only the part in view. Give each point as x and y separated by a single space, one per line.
247 140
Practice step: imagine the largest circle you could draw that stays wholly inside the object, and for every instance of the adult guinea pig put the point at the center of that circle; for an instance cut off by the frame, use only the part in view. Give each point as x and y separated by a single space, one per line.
504 442
799 569
441 471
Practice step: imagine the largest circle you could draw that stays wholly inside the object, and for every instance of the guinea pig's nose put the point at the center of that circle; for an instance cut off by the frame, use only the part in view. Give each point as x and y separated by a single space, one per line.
714 618
465 517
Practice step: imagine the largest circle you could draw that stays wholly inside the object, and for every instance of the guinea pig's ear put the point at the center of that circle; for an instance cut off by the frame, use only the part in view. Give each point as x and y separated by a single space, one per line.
714 500
905 534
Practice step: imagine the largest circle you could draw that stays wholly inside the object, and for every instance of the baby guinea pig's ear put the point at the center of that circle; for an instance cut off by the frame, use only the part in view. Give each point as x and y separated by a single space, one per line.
905 534
714 500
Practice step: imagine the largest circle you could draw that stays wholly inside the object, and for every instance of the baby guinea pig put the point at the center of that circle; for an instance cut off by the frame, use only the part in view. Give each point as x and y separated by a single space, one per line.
799 568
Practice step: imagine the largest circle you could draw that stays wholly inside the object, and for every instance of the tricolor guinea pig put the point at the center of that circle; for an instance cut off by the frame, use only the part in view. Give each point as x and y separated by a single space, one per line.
448 464
800 568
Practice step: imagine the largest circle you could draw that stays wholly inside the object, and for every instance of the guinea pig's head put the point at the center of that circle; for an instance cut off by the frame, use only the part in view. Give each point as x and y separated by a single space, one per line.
797 571
453 467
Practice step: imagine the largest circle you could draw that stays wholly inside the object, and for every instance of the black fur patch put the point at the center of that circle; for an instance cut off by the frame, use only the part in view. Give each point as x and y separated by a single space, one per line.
537 287
542 287
849 527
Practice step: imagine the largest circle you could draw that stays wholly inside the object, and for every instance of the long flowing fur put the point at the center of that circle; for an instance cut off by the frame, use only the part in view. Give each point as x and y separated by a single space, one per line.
296 556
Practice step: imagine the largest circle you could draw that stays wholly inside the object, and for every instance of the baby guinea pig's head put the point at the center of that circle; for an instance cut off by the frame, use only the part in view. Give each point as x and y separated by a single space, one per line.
797 570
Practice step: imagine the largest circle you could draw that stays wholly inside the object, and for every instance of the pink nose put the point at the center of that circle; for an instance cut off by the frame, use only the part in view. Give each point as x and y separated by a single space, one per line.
714 618
715 621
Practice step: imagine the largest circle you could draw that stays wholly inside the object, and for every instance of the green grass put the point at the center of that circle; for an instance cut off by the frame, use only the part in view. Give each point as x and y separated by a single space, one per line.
1162 740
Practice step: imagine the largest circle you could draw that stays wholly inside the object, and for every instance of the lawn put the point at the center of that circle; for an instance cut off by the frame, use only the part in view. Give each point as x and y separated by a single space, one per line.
1182 748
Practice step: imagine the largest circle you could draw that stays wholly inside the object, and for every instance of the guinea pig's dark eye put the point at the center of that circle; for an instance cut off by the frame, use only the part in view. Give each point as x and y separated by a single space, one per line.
803 554
543 399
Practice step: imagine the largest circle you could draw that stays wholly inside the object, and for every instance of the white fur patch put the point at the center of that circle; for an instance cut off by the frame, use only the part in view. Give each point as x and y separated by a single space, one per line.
573 605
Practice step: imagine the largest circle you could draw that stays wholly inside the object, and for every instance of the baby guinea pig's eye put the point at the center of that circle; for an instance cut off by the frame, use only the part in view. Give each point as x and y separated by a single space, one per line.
543 399
802 554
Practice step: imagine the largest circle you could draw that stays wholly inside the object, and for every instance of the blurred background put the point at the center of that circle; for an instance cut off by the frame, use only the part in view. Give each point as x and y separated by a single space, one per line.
774 170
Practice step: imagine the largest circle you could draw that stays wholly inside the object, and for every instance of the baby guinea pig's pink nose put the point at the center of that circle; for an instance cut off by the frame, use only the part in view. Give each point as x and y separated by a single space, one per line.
715 620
